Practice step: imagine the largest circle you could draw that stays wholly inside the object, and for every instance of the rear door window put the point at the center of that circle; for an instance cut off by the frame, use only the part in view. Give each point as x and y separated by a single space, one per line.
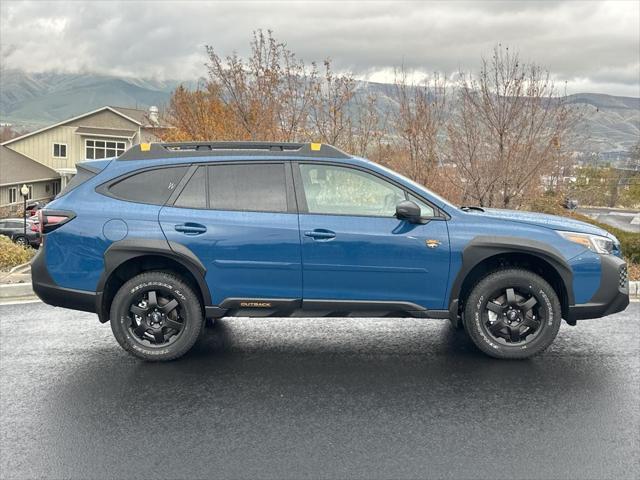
150 186
256 187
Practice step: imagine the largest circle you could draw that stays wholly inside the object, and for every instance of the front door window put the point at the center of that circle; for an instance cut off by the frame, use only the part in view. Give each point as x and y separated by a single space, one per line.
334 190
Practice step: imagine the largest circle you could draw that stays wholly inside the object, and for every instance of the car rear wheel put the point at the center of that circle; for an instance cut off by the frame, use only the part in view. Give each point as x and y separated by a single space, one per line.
21 241
156 316
512 313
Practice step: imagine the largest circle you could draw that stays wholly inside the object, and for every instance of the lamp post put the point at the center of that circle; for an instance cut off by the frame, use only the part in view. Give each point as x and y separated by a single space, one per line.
24 191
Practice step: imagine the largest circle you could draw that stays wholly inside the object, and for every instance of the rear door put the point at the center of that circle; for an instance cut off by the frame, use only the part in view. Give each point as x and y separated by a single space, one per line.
241 221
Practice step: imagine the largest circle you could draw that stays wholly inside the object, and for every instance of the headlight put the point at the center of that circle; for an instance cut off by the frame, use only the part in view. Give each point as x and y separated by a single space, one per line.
595 243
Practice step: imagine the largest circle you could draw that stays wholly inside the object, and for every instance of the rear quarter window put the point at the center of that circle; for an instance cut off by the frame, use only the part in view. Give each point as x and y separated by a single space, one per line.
149 186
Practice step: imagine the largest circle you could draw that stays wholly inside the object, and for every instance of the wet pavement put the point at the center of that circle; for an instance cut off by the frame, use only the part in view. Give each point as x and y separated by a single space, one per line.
316 398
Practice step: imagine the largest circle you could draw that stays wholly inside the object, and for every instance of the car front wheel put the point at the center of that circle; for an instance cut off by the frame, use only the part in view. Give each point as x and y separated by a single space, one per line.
156 316
512 314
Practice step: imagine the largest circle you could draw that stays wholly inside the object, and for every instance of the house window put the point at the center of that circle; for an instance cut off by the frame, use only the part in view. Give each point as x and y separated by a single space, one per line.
30 196
103 149
13 194
60 150
56 188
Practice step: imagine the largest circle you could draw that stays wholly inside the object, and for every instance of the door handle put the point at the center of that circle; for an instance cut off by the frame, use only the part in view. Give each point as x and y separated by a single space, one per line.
320 234
190 228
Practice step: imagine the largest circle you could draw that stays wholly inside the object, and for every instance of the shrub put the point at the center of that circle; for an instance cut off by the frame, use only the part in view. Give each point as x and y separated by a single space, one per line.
12 254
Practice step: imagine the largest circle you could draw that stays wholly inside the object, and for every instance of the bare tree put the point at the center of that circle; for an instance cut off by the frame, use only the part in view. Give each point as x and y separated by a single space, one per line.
332 96
295 95
269 93
418 121
200 115
504 132
509 129
368 125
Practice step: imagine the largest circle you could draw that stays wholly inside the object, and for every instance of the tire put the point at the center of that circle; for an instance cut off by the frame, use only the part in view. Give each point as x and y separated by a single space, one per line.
512 314
21 240
156 316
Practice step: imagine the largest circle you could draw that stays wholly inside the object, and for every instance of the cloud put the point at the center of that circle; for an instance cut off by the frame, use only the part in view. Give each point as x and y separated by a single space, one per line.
586 44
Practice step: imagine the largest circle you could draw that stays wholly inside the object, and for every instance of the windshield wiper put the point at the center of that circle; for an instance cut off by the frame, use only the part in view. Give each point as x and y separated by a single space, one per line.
467 208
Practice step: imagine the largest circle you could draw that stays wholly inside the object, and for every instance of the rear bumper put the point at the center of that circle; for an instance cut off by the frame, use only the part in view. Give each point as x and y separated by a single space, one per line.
612 295
46 289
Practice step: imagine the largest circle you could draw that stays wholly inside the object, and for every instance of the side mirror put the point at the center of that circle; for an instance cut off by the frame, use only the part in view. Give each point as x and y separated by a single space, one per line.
409 211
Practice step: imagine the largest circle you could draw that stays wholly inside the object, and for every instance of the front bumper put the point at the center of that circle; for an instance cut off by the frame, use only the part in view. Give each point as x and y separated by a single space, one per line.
611 297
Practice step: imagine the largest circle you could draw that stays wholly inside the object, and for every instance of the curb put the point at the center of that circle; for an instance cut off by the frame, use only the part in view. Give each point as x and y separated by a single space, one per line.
24 266
17 292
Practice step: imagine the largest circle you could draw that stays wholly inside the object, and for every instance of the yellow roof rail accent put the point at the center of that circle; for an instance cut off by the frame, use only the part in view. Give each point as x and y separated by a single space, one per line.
316 147
145 147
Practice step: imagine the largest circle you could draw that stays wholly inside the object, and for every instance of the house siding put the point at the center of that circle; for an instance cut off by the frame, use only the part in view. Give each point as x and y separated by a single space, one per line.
104 119
40 146
40 191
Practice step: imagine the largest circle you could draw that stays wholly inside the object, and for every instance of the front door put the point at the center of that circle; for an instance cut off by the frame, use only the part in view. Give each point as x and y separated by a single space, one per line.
239 219
353 247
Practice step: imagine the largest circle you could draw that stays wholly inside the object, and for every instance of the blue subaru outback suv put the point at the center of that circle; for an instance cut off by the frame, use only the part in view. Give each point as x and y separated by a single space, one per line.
168 235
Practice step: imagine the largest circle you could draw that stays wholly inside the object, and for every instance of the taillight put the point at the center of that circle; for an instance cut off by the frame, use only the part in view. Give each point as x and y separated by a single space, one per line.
50 219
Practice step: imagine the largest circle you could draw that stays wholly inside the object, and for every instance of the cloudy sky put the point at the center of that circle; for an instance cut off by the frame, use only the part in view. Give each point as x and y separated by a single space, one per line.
593 46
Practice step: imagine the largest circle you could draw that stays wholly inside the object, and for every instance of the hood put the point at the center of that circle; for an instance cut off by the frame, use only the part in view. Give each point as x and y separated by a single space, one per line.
554 222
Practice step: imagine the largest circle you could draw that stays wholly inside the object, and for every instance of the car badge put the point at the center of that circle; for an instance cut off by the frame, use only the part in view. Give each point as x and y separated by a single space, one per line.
432 243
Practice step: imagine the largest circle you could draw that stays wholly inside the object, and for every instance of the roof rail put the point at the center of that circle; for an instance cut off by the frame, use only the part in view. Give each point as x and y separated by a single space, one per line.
148 151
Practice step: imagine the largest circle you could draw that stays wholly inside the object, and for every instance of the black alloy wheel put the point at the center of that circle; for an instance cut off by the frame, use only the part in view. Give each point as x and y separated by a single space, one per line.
513 316
156 318
512 313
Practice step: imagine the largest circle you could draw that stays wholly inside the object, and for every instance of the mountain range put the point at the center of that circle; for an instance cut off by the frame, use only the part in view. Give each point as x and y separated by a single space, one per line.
30 100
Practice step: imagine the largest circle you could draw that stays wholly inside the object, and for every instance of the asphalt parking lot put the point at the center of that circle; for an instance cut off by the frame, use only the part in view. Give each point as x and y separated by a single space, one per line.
316 398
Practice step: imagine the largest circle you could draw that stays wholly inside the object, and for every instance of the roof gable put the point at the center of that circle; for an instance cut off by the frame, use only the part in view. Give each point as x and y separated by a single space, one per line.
74 119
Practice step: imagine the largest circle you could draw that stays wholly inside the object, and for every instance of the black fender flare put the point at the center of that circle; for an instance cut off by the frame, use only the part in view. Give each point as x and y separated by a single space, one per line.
486 246
124 250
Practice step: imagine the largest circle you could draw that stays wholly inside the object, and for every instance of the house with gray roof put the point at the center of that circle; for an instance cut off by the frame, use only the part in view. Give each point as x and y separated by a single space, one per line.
102 133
